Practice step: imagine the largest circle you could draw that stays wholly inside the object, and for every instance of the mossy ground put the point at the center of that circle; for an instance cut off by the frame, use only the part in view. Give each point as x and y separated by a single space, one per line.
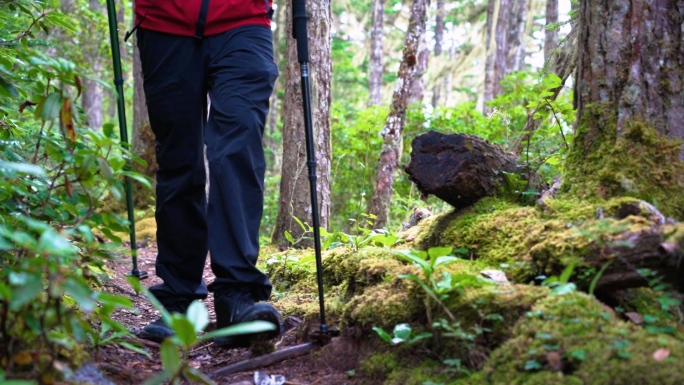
496 330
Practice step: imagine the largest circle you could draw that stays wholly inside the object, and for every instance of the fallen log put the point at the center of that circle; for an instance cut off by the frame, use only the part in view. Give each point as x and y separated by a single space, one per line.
460 169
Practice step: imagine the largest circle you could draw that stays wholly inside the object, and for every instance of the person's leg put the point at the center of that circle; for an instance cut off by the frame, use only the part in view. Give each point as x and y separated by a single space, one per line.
241 78
174 82
242 74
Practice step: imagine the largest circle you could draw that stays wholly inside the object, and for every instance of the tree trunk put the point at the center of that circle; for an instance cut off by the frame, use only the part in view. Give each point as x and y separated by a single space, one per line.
92 90
418 91
630 83
550 34
439 39
376 63
143 143
506 49
294 184
489 76
394 125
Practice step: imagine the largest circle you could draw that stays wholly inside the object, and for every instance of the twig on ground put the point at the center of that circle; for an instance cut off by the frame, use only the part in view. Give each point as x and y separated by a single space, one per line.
266 360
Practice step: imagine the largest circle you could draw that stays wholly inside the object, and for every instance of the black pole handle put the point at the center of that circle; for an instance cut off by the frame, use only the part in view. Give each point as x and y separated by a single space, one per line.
299 19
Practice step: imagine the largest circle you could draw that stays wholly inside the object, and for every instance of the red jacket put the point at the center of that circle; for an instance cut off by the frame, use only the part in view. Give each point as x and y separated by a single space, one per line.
179 17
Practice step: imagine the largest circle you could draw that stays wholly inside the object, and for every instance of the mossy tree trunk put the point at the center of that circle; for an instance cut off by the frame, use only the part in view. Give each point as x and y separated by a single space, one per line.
630 82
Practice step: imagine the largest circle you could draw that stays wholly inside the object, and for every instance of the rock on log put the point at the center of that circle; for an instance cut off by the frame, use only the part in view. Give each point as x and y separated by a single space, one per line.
460 169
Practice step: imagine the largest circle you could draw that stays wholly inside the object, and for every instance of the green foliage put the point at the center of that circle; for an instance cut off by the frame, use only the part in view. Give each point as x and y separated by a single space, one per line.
54 173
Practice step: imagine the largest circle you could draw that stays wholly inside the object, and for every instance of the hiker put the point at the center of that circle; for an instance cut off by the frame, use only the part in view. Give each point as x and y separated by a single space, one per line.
190 49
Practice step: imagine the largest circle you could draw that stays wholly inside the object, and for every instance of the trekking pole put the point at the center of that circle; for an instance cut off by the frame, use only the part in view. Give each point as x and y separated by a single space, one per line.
299 33
118 83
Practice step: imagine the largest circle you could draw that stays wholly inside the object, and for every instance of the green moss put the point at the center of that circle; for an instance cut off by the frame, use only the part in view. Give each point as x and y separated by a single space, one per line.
428 370
574 337
527 242
637 162
378 366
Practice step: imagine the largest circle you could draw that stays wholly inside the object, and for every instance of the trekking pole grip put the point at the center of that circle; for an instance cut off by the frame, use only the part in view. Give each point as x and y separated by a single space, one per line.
299 32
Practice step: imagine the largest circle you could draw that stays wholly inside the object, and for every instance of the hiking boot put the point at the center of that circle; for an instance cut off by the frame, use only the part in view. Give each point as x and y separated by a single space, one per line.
158 331
235 307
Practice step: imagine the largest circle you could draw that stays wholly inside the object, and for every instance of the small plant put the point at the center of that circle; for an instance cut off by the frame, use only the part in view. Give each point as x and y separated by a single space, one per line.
437 287
402 334
561 285
174 350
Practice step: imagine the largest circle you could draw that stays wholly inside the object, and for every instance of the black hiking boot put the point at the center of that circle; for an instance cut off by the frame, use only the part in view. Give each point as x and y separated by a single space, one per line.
158 331
235 307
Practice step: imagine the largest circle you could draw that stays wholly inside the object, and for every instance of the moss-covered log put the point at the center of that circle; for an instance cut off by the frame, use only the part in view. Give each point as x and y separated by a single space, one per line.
461 169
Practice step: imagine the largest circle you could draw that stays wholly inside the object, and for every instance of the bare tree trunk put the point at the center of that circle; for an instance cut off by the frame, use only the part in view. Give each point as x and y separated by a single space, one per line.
294 184
516 37
143 143
439 41
490 43
506 50
630 108
550 34
92 91
376 64
418 91
394 125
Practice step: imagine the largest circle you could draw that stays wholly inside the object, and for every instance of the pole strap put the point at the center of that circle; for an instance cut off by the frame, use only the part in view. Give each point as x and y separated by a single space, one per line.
202 20
269 10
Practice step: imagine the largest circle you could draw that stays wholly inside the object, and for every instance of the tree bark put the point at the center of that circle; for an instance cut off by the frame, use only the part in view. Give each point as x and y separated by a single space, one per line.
640 74
629 102
376 65
294 184
92 90
490 43
506 49
439 41
396 119
143 143
550 34
418 91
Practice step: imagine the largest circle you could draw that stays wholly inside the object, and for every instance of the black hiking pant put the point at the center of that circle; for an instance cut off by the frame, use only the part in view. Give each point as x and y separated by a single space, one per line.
237 71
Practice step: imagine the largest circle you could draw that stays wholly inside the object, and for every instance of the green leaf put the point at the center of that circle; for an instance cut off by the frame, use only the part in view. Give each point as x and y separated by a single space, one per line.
289 237
170 356
198 315
114 300
27 291
402 332
22 168
567 272
300 223
383 334
81 293
51 243
532 365
60 20
184 329
578 354
435 252
243 328
564 288
596 278
51 107
134 348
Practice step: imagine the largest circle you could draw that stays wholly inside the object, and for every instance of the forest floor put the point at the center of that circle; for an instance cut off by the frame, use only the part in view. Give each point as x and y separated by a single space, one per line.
124 367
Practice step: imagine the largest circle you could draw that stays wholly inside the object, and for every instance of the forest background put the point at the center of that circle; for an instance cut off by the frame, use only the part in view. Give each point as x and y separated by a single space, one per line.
382 73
